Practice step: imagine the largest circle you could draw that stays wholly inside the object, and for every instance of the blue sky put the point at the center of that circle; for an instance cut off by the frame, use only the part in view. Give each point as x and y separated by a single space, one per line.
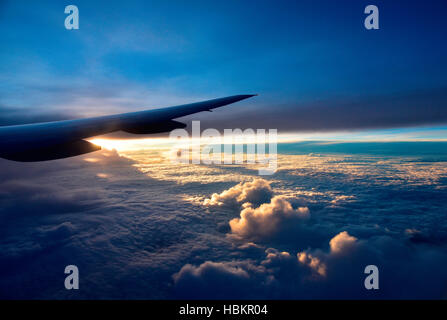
313 63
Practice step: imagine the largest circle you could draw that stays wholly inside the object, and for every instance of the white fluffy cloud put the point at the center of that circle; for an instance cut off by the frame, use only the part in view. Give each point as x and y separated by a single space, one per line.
257 191
262 214
342 243
266 219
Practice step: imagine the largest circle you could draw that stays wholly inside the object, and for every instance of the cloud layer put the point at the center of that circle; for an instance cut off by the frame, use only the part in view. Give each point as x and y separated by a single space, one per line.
335 274
306 232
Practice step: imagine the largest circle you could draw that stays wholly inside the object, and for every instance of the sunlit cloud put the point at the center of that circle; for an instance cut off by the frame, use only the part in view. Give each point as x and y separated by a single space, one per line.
257 191
267 219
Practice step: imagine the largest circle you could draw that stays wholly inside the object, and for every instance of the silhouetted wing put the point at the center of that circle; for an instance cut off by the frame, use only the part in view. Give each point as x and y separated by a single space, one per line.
62 139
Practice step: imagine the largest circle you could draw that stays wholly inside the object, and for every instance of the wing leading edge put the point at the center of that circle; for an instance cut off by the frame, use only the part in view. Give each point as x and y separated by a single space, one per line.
62 139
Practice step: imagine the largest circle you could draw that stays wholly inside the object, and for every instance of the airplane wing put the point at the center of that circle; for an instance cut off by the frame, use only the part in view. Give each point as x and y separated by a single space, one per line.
62 139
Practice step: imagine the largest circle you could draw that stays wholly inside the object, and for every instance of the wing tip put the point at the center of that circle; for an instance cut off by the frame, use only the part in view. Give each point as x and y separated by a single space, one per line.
246 96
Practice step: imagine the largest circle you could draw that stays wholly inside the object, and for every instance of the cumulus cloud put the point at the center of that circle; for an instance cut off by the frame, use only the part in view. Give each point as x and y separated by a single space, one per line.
223 279
277 275
266 219
316 261
316 273
262 214
312 262
342 242
339 245
257 192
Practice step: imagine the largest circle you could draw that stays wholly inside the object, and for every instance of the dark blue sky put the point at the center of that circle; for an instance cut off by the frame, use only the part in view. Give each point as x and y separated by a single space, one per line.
306 59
